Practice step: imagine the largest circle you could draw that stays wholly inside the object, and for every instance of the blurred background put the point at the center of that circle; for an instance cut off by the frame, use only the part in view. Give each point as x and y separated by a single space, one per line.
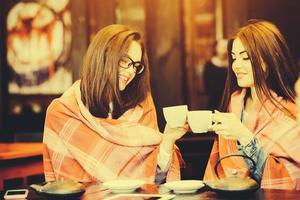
42 43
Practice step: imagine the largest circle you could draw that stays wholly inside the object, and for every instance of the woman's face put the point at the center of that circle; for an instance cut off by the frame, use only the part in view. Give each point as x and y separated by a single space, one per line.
127 71
241 65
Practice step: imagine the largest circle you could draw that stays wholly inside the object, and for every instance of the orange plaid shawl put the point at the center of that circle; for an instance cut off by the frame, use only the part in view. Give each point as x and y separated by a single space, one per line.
279 136
91 150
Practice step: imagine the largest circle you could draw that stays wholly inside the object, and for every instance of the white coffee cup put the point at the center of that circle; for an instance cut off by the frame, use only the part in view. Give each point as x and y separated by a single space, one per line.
200 120
175 115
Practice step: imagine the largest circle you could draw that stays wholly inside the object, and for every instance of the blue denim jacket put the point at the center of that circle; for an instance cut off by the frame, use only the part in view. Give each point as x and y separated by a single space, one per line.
255 151
160 176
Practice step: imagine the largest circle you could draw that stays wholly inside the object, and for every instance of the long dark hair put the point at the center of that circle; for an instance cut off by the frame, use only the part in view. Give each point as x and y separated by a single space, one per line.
265 46
99 76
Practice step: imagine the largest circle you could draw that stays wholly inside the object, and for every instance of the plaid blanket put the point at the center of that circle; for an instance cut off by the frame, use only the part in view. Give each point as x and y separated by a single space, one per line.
279 136
92 150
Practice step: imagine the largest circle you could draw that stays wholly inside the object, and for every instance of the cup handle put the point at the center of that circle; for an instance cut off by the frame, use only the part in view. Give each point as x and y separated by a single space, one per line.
233 155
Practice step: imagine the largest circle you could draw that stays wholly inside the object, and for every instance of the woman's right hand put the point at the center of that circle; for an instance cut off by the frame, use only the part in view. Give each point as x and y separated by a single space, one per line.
229 126
171 135
175 133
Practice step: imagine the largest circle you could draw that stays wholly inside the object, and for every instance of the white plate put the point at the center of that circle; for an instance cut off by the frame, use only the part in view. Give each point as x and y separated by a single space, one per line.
141 196
123 186
185 186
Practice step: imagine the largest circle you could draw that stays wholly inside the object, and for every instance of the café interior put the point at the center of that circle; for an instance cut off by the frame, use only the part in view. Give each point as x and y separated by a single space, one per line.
180 38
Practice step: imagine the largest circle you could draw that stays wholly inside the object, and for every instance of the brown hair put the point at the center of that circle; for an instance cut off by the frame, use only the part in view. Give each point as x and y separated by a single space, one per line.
100 69
265 46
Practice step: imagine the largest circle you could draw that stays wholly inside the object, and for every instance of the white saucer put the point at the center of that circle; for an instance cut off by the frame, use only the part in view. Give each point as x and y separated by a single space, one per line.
185 186
123 186
117 191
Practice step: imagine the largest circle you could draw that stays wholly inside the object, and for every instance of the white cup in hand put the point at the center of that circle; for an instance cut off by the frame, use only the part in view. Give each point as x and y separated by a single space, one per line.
175 115
200 120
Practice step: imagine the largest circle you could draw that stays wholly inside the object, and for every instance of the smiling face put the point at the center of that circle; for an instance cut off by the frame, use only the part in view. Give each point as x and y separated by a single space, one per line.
127 74
241 65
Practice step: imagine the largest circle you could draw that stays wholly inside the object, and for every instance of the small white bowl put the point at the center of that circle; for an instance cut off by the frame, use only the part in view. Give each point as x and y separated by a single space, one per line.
185 186
123 186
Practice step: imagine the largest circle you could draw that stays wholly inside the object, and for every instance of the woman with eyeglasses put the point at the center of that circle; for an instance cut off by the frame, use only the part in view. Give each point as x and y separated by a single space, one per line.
258 116
105 127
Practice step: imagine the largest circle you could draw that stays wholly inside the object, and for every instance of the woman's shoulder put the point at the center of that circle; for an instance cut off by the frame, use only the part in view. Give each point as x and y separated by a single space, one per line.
282 112
62 103
284 106
56 105
291 109
148 100
291 106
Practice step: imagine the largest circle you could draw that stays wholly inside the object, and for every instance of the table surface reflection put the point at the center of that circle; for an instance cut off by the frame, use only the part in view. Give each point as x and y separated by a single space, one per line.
204 194
207 194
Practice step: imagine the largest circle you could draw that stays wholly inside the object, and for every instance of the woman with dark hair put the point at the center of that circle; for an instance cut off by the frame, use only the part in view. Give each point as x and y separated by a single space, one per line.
104 127
257 117
297 89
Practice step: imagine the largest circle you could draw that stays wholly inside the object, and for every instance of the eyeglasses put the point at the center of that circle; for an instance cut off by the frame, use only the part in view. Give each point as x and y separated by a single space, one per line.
126 62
